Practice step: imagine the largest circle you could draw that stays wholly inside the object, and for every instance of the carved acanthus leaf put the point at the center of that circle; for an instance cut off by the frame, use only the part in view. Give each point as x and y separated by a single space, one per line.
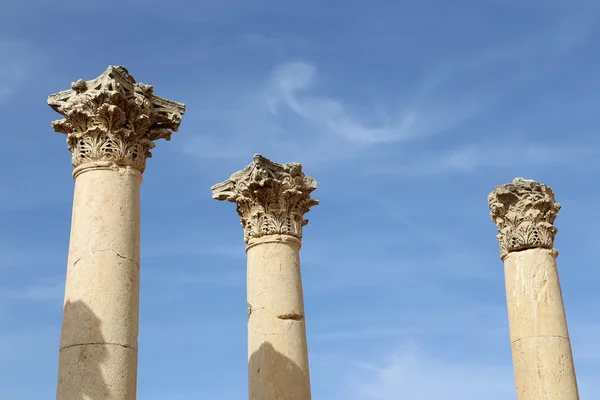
524 212
271 198
114 118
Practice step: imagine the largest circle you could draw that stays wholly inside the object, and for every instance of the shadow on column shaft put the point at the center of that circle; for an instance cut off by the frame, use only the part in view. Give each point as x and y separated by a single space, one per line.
80 374
273 376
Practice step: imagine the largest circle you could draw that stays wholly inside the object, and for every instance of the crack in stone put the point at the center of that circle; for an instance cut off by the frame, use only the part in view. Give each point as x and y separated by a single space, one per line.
79 259
123 257
102 250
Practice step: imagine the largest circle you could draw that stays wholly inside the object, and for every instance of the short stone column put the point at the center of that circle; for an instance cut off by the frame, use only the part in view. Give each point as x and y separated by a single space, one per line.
524 212
272 200
110 123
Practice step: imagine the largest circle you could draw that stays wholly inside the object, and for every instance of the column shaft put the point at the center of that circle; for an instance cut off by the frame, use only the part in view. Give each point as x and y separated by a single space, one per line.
542 358
277 348
111 123
524 212
272 199
98 347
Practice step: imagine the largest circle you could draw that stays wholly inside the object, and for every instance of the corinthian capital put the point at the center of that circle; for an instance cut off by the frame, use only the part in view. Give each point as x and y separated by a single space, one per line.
524 212
114 118
271 198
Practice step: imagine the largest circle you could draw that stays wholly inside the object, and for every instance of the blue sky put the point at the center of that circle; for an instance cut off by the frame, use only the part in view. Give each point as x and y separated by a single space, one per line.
407 114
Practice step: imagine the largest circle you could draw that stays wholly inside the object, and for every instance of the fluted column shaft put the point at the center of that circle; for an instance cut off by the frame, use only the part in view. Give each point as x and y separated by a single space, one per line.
110 123
272 200
524 212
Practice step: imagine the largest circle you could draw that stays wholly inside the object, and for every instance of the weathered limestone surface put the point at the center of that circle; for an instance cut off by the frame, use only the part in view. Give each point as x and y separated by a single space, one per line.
272 200
110 124
114 118
524 212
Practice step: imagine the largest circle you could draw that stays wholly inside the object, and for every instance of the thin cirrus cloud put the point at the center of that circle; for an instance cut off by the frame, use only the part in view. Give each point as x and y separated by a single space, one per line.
451 93
41 291
290 83
18 60
410 371
468 158
259 121
289 115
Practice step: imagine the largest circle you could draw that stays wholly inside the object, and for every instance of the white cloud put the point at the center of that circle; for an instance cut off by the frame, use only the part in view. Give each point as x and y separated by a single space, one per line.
35 292
185 248
284 116
449 94
290 82
368 333
412 374
469 158
289 115
16 65
235 278
514 63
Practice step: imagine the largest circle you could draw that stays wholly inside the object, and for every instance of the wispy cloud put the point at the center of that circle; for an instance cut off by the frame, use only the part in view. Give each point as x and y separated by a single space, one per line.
409 371
454 320
365 334
16 66
15 257
289 114
290 85
42 291
186 248
515 62
449 94
235 278
468 158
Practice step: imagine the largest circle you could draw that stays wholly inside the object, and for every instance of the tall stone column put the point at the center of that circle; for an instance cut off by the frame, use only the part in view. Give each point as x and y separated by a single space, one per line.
524 212
272 199
110 123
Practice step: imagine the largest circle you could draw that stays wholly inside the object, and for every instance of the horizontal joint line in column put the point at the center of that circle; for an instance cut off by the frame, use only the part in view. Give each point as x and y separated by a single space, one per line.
98 344
541 336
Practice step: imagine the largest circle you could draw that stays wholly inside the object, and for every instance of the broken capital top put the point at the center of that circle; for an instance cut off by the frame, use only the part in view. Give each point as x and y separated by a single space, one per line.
524 212
114 118
271 198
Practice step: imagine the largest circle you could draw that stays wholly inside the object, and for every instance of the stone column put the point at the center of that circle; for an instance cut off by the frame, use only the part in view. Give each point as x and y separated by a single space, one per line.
110 123
272 199
524 212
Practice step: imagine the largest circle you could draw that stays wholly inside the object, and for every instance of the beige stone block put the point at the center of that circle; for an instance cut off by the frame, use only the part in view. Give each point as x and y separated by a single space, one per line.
277 348
101 301
111 123
97 372
544 369
271 200
106 212
535 305
273 376
524 212
274 280
285 336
